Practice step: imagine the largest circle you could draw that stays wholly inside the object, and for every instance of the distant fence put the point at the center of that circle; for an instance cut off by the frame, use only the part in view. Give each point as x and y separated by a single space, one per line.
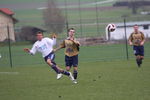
96 48
14 56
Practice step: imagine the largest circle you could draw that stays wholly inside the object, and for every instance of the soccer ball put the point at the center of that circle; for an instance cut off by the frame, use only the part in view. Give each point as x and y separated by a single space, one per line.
111 27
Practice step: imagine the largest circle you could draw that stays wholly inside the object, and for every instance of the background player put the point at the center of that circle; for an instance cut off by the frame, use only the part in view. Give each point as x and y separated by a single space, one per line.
137 39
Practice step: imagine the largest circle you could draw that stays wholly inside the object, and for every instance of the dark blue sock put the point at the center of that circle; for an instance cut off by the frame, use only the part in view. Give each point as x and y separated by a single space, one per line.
65 73
138 62
55 68
141 60
75 74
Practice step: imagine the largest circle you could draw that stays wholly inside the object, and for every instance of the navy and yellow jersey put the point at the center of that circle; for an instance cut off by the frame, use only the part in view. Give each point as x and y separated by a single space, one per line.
71 47
136 38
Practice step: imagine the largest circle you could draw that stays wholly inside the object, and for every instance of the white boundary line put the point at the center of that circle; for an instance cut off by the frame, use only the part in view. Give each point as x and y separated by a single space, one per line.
87 4
10 73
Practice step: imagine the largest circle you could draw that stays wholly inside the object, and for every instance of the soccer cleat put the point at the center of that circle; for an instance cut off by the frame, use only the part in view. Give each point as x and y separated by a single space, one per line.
71 77
75 82
59 76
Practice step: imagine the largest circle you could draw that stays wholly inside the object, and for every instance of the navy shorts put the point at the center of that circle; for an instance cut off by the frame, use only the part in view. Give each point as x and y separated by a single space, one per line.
138 50
71 61
50 56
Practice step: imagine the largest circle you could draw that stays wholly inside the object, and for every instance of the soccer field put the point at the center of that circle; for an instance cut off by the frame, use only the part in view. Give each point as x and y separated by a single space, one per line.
104 74
113 80
104 71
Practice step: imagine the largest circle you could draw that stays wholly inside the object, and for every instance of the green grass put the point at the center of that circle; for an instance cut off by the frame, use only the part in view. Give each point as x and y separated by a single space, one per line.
115 80
104 74
32 17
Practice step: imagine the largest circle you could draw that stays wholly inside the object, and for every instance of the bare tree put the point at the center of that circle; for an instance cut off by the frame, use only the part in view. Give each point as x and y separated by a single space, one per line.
53 18
133 5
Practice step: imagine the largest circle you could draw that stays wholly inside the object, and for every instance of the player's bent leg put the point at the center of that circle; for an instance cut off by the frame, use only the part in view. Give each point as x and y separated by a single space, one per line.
65 73
69 74
59 70
53 66
59 75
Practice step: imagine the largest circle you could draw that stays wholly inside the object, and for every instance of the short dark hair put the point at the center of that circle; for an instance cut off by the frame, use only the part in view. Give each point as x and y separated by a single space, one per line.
136 25
39 32
71 29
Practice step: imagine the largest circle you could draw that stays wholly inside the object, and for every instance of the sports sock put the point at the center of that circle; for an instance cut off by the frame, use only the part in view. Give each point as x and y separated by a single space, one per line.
65 73
75 74
141 60
55 69
138 62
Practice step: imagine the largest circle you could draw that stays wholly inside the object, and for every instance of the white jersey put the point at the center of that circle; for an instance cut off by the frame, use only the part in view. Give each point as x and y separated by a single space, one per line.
45 46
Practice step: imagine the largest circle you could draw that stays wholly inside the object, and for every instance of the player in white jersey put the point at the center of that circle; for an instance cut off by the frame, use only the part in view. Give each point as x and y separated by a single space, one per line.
45 46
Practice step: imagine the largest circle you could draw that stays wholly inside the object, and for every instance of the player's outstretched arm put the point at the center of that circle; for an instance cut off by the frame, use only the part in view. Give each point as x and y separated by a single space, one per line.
53 35
56 49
